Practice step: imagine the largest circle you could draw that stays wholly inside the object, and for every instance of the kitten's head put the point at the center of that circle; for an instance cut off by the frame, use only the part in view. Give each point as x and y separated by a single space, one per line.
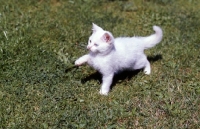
100 41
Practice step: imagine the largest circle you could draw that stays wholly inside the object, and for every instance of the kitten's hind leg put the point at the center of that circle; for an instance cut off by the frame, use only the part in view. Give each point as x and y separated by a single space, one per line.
143 63
147 68
81 60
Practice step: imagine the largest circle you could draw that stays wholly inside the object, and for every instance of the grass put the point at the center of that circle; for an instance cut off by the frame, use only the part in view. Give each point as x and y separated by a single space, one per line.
40 40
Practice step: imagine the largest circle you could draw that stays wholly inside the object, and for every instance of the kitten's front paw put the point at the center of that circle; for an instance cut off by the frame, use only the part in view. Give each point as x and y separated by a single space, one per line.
147 72
78 62
103 92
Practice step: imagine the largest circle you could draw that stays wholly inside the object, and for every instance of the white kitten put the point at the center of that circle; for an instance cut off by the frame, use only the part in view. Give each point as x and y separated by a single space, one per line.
110 55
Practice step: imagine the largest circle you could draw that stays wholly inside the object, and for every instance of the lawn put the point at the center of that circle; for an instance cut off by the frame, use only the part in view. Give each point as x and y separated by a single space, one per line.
41 39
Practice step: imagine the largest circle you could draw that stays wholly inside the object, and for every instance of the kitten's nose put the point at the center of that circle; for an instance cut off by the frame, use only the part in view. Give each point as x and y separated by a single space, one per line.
88 47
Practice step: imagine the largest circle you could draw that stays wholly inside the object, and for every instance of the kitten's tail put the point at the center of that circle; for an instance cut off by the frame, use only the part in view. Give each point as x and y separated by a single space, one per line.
153 39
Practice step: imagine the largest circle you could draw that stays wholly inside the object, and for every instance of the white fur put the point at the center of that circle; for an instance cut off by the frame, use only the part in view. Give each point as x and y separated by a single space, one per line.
109 55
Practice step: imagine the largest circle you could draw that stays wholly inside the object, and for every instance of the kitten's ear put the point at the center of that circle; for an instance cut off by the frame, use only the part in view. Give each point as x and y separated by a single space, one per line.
95 28
107 38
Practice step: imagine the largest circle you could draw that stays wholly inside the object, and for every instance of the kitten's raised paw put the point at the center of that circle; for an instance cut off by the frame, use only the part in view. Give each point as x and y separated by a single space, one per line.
78 62
102 92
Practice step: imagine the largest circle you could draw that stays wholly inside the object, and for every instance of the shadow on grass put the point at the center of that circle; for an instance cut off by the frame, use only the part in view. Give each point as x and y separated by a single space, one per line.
154 58
120 76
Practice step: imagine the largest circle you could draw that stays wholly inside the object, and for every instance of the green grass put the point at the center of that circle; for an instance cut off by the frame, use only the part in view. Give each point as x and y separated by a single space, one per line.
40 40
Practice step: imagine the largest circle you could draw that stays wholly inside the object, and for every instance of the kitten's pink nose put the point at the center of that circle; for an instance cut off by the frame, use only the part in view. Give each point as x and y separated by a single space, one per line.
88 47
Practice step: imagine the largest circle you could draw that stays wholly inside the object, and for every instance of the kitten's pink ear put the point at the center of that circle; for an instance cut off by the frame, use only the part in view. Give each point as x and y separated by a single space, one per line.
107 38
95 28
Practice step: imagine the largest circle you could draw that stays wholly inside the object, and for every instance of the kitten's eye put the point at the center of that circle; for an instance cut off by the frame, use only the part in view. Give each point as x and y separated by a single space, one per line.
96 45
90 41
